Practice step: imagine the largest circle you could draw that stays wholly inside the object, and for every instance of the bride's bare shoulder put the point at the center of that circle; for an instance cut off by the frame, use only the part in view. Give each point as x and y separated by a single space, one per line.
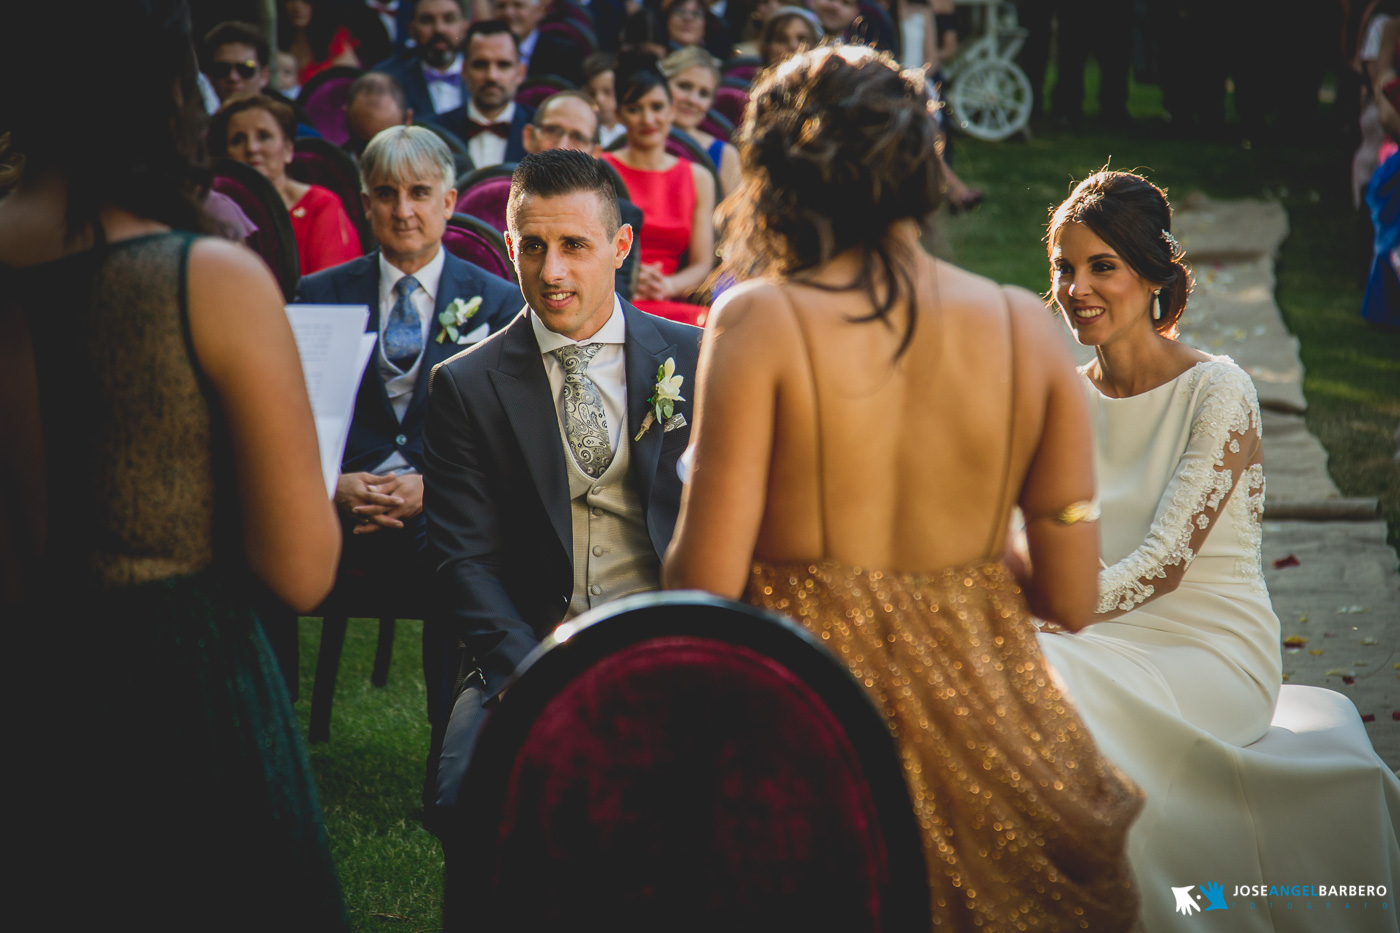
758 303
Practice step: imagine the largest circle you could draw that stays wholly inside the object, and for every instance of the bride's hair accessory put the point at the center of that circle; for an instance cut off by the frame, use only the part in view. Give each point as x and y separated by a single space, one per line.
1085 510
1172 242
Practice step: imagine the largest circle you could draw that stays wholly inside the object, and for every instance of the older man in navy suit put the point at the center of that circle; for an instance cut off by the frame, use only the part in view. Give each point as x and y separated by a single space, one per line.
490 121
425 305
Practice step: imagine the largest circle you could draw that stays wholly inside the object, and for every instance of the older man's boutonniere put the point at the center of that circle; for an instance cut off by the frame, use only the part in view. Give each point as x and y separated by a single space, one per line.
455 316
664 397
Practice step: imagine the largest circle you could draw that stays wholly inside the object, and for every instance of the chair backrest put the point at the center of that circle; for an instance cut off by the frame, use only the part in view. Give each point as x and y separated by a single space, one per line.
476 241
681 762
273 240
483 194
318 162
324 98
680 143
535 90
741 68
717 125
731 101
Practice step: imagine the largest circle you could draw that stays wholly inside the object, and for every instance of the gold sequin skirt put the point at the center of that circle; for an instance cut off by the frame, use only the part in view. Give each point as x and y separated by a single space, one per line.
1024 823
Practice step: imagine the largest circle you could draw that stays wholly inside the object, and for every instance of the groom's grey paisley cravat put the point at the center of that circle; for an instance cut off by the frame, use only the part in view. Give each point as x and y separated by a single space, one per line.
584 419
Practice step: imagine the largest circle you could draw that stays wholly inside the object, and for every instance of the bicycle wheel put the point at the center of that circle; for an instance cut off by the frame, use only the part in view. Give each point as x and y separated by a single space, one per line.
991 100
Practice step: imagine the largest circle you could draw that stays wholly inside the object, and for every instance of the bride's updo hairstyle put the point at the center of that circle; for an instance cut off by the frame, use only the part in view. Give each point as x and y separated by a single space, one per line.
837 145
1132 216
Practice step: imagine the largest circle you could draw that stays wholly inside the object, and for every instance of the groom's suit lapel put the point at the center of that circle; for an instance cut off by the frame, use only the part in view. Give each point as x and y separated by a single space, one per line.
646 351
523 388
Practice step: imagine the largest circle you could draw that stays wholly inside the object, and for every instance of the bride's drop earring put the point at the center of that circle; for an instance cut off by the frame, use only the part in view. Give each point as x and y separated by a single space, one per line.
1156 304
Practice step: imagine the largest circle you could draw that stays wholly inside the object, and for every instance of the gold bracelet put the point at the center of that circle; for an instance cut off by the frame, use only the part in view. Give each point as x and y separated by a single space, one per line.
1085 510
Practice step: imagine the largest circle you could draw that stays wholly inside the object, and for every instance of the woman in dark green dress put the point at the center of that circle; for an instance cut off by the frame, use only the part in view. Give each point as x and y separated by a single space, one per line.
158 464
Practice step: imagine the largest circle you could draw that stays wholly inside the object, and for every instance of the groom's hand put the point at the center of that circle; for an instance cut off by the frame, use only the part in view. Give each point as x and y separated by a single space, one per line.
379 501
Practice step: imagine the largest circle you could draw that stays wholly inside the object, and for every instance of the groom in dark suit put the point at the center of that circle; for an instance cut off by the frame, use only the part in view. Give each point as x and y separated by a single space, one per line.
425 304
550 451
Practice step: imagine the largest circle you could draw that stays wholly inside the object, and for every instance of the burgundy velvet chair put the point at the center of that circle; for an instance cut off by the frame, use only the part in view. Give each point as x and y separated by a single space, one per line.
324 98
677 761
477 242
318 162
483 193
273 240
718 125
741 68
535 90
731 101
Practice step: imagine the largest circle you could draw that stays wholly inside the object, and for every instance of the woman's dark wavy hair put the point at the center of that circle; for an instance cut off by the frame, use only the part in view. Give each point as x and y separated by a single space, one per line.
1132 216
134 141
837 145
637 73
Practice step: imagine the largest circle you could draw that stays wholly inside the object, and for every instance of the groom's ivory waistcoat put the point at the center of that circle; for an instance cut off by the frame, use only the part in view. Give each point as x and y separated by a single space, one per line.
613 555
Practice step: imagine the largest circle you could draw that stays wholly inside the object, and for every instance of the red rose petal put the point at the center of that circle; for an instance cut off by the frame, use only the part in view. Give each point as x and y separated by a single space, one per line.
1368 717
1395 714
1348 679
1289 561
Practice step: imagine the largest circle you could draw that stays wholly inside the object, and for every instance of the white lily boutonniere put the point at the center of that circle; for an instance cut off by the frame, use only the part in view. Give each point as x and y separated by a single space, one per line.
664 397
455 316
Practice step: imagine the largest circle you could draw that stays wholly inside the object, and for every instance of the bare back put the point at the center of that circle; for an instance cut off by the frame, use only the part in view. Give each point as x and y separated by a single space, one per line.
812 441
912 465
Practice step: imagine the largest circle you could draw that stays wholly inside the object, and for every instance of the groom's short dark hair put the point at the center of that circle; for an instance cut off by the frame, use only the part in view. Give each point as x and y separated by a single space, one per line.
557 172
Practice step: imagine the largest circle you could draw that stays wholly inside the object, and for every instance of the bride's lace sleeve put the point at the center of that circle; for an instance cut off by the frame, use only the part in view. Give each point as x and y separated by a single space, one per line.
1222 452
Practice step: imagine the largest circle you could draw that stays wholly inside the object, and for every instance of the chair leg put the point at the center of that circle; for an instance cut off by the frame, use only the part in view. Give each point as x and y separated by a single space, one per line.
327 664
383 652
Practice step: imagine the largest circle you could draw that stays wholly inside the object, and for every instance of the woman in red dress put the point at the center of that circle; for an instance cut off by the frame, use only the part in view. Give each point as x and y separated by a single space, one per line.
316 40
258 132
677 198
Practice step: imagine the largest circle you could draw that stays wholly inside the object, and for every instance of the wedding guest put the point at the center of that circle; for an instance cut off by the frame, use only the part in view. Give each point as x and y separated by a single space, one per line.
258 131
789 30
431 76
677 196
235 59
523 17
600 83
860 21
163 465
1180 671
693 74
499 488
410 283
567 120
751 35
374 103
677 24
316 41
821 469
491 123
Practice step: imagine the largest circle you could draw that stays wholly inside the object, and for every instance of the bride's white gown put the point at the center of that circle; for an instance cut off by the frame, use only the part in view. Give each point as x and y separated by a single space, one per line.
1173 689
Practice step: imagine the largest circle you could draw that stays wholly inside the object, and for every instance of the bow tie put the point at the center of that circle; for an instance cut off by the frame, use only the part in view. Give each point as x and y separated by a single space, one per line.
474 129
440 77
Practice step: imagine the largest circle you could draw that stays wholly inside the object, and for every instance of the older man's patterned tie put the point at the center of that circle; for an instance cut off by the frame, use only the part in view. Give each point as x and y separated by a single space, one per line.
585 421
403 334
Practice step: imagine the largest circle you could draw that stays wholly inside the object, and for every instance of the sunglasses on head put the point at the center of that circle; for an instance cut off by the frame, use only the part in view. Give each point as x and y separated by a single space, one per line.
221 70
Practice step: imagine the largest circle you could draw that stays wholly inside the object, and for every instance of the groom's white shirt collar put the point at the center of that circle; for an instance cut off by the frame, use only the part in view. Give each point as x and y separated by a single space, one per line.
607 370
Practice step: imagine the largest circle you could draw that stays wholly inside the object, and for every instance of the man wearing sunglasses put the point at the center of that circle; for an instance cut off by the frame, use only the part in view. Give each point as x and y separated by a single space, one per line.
236 60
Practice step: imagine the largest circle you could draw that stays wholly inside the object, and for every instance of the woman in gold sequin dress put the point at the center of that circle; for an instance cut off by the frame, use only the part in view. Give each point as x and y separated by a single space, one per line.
853 395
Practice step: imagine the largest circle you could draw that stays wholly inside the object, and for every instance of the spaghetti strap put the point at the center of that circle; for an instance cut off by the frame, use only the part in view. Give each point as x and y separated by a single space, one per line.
997 520
816 420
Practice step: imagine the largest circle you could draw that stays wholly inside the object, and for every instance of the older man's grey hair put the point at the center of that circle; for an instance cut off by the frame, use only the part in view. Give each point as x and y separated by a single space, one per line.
405 154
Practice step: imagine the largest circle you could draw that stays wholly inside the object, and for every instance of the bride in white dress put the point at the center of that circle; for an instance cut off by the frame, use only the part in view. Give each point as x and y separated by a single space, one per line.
1181 670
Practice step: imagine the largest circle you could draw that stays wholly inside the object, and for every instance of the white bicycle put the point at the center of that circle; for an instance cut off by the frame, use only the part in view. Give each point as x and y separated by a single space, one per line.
988 94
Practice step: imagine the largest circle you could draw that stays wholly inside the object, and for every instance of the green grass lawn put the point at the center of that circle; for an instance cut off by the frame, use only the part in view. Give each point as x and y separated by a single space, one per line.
370 772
